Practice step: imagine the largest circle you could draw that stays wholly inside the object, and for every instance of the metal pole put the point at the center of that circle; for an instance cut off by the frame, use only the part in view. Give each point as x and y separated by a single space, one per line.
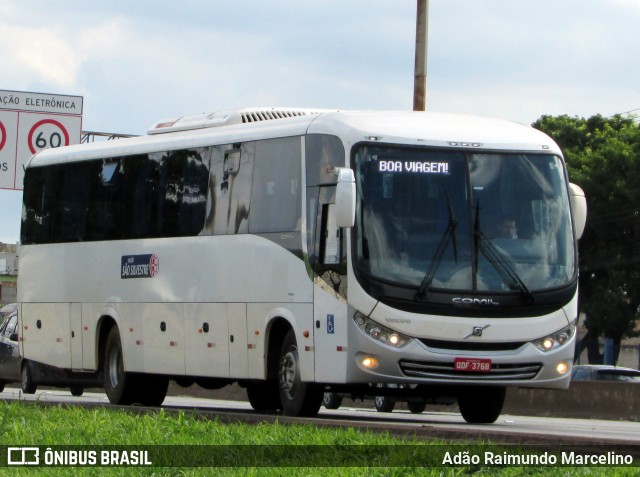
420 75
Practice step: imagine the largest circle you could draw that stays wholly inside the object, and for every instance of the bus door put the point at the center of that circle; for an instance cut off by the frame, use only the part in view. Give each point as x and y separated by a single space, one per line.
330 291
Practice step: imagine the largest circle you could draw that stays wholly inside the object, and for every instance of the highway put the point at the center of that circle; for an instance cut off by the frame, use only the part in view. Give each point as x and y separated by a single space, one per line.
508 429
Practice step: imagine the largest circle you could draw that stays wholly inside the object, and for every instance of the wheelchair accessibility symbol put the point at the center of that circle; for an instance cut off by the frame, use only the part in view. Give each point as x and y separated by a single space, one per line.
330 324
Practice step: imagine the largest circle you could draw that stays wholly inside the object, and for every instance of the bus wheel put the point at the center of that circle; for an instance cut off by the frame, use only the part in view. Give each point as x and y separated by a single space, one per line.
481 405
297 398
153 390
264 396
384 404
118 385
331 400
76 391
26 384
416 407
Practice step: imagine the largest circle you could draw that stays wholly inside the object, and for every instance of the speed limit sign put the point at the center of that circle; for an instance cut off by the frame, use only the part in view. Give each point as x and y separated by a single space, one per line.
3 136
38 132
30 123
47 133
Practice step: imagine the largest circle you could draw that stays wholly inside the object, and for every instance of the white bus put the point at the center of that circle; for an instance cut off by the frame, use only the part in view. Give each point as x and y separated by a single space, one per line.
298 252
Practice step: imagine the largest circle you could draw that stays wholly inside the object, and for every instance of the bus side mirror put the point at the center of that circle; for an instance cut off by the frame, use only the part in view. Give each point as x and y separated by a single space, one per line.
345 197
579 209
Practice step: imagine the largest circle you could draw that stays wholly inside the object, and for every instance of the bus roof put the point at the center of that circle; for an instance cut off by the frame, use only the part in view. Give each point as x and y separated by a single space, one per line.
402 127
434 129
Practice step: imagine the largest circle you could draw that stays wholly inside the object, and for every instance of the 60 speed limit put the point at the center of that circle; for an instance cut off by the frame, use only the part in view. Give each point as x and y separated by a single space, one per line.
47 133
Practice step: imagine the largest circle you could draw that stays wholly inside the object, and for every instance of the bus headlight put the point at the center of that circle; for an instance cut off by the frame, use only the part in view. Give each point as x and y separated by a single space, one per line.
554 341
379 332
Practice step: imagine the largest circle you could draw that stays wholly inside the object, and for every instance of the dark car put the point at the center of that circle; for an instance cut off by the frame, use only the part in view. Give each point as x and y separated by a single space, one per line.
593 372
9 351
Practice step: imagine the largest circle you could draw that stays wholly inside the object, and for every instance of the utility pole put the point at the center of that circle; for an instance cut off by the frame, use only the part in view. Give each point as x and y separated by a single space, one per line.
420 75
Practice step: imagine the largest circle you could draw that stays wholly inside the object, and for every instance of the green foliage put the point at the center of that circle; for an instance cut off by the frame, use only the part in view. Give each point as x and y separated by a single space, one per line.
603 157
28 424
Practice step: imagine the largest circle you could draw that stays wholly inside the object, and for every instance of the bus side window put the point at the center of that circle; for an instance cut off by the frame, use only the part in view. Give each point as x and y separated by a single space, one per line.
331 264
38 205
184 179
75 185
330 237
276 191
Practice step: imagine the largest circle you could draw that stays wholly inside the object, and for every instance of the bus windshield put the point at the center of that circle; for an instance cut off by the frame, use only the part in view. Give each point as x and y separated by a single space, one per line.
444 220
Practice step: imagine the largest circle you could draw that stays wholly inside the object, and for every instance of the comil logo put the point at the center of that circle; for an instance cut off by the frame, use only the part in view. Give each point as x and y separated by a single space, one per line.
23 456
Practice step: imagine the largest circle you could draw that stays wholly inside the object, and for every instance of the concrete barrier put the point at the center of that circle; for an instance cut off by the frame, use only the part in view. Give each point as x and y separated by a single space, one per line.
585 400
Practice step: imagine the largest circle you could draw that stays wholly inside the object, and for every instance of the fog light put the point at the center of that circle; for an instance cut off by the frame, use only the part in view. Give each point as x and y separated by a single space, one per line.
562 368
370 362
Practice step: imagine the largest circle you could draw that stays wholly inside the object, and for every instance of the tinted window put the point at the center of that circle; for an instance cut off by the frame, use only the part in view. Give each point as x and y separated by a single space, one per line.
38 200
622 376
230 176
143 196
276 191
182 186
581 374
165 194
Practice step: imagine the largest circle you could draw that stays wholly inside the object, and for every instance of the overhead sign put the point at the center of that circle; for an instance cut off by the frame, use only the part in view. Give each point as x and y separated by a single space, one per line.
31 122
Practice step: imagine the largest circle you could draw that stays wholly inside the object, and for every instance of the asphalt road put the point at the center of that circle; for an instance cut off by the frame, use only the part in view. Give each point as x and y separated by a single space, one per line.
444 425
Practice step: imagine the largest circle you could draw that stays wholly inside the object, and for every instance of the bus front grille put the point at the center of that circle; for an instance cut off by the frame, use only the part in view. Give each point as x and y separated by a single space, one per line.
499 372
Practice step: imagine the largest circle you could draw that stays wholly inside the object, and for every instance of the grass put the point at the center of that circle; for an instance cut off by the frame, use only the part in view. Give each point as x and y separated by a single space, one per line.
181 437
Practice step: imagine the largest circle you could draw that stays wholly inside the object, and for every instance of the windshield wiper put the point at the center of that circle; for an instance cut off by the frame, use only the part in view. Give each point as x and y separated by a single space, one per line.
449 235
496 258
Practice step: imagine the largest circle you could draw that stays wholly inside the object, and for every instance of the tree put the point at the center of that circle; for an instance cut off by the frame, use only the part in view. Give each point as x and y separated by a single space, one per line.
603 157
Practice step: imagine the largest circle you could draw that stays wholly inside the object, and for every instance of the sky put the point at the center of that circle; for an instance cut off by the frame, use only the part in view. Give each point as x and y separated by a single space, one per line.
137 62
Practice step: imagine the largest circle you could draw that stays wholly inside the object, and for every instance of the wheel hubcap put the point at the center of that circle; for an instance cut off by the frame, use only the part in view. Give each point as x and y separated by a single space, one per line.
288 373
114 368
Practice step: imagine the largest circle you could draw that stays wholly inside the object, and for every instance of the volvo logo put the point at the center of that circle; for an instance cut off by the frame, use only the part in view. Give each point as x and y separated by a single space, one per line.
477 331
474 301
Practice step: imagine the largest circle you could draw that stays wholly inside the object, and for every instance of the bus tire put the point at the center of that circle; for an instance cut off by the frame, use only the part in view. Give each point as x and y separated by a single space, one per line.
26 382
119 386
481 405
76 391
416 407
384 404
297 397
331 400
264 396
152 390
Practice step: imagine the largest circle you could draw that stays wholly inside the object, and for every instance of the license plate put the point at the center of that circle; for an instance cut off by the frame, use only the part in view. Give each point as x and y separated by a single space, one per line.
472 365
